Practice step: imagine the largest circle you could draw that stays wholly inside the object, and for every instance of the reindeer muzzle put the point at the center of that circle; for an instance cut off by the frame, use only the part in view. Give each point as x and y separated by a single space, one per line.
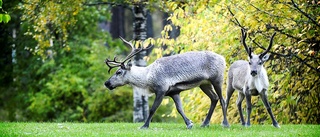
254 73
108 85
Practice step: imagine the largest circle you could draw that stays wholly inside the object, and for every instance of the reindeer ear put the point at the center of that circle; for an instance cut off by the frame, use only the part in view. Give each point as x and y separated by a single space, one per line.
123 66
265 57
128 65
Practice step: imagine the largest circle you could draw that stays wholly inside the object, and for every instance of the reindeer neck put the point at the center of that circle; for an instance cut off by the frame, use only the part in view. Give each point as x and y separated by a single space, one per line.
138 76
260 81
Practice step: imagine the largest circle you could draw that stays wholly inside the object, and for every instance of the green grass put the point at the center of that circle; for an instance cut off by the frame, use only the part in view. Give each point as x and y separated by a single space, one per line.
155 129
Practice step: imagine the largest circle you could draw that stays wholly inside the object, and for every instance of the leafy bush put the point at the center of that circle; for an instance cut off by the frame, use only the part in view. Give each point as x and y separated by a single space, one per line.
293 68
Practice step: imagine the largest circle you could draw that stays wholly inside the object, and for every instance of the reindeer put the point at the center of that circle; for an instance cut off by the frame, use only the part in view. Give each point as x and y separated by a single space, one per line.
250 78
168 76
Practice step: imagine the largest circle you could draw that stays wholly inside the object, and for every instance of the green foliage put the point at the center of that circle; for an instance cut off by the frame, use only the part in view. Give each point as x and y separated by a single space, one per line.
4 17
293 68
51 21
65 83
73 89
65 80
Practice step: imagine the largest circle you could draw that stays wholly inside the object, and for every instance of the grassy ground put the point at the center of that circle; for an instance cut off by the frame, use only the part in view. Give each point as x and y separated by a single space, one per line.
156 129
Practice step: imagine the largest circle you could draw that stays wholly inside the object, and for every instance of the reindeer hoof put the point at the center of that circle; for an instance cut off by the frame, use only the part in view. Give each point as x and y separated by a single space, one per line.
276 125
144 127
225 124
189 126
243 124
247 125
205 125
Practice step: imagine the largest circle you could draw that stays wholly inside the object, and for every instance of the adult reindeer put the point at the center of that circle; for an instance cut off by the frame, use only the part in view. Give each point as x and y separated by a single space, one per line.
168 76
250 78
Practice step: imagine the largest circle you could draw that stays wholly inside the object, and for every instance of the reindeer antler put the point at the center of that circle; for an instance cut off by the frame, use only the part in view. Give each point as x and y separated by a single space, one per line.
114 63
269 47
133 52
243 41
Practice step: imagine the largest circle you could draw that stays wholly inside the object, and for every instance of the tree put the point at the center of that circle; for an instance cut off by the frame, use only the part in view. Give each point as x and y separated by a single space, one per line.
141 106
52 32
60 82
117 22
13 99
215 26
142 29
51 21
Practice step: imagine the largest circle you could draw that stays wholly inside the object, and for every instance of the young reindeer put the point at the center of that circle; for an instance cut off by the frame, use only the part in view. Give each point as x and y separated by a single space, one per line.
168 76
250 78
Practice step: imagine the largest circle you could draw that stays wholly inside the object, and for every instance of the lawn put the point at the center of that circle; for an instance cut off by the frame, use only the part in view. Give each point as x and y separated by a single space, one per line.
155 129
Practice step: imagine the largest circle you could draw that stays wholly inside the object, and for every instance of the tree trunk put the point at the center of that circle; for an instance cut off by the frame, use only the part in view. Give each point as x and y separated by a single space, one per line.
140 102
6 76
117 22
175 30
173 34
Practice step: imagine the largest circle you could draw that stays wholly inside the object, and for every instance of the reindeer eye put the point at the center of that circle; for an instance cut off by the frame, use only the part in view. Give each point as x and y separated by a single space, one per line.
118 72
249 63
260 63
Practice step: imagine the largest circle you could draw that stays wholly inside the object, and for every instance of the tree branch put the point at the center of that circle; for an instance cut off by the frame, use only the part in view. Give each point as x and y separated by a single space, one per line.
237 22
305 63
281 31
290 55
275 53
305 14
270 14
102 3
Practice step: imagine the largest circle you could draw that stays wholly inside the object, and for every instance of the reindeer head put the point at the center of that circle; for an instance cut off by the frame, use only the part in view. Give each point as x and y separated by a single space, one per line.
120 78
256 61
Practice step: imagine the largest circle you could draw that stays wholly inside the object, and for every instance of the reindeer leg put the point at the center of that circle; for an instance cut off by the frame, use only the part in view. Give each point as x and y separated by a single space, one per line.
267 105
230 91
177 101
217 87
249 106
208 90
156 104
239 105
